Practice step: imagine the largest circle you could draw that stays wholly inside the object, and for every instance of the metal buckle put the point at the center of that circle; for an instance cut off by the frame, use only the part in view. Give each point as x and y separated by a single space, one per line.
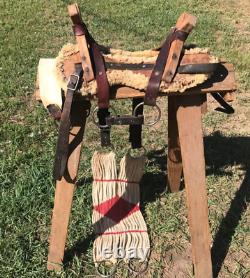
70 82
94 118
111 272
150 123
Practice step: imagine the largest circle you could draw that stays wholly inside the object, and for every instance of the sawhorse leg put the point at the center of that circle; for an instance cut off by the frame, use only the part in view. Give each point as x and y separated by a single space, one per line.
65 188
174 162
192 151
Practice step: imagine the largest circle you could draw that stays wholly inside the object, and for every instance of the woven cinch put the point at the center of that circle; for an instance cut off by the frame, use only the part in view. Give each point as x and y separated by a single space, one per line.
118 223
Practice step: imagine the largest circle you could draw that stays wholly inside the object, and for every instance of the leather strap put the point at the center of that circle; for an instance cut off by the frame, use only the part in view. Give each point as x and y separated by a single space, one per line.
101 77
102 114
55 111
62 147
125 120
135 131
227 108
101 80
99 65
78 29
182 69
156 75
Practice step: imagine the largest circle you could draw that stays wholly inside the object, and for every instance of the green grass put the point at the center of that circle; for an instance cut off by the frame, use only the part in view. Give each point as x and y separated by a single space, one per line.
33 29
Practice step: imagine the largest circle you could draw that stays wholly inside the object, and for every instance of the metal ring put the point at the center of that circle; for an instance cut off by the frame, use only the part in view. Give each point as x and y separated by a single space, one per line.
140 271
93 116
158 117
112 270
143 154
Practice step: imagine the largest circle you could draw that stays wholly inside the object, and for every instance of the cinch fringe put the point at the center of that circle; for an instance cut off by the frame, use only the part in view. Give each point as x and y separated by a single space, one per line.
118 223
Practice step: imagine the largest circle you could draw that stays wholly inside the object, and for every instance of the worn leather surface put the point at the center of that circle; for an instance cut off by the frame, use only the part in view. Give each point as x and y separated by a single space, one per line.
156 75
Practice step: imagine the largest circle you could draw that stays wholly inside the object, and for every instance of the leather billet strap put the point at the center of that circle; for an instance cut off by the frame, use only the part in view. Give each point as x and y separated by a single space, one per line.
98 65
55 111
156 75
182 69
135 131
101 80
64 129
102 115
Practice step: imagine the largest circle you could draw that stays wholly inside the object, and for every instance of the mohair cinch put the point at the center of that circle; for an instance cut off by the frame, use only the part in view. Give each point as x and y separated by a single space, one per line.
139 81
121 232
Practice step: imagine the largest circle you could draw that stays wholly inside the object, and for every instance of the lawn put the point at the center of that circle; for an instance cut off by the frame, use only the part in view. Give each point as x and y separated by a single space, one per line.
33 29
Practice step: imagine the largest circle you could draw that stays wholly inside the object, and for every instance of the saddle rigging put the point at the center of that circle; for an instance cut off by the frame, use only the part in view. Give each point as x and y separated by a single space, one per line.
99 66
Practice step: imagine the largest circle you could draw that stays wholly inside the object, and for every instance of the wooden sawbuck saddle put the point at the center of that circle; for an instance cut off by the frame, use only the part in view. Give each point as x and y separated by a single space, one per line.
90 70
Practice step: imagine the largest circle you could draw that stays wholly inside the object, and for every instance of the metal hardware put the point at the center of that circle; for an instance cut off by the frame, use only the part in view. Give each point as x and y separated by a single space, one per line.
112 270
94 118
150 123
75 84
125 120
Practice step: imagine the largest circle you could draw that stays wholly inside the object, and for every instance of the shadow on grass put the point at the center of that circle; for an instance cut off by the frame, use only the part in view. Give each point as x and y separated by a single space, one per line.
222 152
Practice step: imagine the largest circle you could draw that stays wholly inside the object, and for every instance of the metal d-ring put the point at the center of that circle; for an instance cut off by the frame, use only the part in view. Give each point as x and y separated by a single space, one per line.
93 116
158 117
140 271
112 271
139 156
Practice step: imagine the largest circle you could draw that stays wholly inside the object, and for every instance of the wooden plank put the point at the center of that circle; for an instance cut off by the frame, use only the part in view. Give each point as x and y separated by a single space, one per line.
229 96
65 189
174 161
75 15
192 151
186 22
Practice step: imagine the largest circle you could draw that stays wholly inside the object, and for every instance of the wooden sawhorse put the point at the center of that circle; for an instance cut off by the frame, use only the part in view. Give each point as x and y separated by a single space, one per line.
185 153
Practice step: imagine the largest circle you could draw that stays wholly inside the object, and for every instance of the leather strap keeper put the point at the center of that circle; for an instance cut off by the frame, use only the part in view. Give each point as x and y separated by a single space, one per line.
78 30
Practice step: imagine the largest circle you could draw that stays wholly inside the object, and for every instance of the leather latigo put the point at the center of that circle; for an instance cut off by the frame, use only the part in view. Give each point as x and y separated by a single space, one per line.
140 68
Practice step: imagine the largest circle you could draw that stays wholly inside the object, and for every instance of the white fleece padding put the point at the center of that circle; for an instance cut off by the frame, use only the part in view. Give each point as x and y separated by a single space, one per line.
50 89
